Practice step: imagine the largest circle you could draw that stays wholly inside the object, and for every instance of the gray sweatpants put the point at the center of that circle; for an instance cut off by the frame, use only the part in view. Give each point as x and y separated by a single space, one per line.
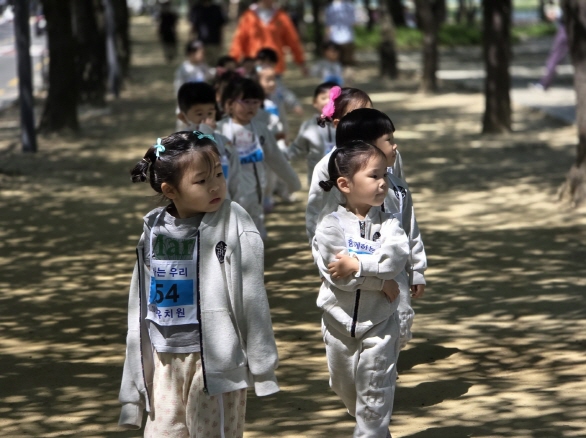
363 373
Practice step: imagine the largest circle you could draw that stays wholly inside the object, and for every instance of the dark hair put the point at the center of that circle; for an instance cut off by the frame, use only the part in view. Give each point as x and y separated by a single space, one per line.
169 166
193 46
346 161
242 88
348 97
366 124
223 60
193 93
266 54
330 45
323 88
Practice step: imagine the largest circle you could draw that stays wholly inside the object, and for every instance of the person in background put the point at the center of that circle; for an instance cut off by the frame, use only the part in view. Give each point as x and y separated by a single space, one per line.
194 68
167 21
266 25
329 69
207 21
340 18
559 47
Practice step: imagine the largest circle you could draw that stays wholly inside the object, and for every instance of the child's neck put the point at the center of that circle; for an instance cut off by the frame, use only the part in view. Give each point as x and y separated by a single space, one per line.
359 210
240 122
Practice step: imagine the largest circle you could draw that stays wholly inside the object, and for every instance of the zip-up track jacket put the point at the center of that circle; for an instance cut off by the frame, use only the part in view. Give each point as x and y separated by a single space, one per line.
356 303
238 348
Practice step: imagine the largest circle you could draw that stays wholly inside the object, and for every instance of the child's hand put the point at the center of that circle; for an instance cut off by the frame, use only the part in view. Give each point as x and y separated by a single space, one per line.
417 290
391 290
344 266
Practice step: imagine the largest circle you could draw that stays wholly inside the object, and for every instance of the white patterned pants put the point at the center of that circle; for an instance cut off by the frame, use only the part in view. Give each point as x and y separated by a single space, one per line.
181 409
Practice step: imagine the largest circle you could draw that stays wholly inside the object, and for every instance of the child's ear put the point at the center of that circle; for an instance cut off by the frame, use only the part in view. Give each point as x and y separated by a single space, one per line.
168 191
343 184
182 117
335 122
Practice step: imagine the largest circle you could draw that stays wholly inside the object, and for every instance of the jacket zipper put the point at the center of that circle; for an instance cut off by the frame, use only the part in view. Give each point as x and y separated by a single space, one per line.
198 297
140 289
357 301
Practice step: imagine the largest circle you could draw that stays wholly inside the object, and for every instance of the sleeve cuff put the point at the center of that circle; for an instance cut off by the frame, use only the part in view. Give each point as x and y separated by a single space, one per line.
265 384
416 277
131 416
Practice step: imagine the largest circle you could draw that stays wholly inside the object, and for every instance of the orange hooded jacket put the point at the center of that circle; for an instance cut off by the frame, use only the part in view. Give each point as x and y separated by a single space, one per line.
252 35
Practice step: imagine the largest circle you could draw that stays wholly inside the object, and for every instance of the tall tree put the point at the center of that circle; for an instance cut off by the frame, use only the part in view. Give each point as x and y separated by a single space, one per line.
122 19
397 10
497 56
60 110
430 15
387 49
574 189
318 33
91 50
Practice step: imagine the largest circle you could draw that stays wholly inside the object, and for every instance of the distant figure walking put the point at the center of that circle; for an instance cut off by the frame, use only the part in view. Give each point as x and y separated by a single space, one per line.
167 19
559 48
207 22
340 20
266 25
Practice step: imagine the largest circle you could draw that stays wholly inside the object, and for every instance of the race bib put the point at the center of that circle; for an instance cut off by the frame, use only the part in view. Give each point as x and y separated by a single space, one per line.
250 154
172 292
358 245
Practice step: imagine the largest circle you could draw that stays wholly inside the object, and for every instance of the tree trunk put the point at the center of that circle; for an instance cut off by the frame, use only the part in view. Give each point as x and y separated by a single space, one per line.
430 14
122 19
397 12
574 189
387 50
497 55
60 110
318 35
91 50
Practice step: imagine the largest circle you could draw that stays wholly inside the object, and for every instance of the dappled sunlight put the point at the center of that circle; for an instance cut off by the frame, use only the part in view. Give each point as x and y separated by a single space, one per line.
499 337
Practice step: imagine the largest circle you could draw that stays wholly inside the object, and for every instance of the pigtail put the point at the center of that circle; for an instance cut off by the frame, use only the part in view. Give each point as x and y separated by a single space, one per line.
327 185
139 172
333 172
322 120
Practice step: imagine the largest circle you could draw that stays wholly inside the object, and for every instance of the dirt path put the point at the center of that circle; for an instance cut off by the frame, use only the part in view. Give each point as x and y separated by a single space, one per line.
499 347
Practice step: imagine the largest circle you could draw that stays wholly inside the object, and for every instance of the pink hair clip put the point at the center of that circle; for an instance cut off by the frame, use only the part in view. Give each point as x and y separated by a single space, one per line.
328 110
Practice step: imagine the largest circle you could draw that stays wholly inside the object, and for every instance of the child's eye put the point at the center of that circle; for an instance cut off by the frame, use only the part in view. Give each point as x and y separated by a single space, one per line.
201 181
219 174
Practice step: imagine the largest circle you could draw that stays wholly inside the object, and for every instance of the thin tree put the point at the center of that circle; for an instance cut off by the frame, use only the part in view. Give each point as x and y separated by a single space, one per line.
397 10
430 15
318 33
387 49
91 49
574 188
123 46
497 55
60 111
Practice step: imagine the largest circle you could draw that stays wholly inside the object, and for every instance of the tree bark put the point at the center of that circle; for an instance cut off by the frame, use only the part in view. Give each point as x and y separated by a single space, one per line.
91 50
574 11
123 47
387 50
318 35
60 110
430 14
497 55
396 9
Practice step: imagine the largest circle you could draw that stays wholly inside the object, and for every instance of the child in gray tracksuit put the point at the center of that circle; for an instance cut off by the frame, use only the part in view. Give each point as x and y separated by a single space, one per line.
361 253
375 127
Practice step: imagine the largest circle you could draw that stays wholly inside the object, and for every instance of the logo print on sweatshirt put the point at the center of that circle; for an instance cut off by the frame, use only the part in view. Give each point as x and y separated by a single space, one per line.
400 192
375 236
221 251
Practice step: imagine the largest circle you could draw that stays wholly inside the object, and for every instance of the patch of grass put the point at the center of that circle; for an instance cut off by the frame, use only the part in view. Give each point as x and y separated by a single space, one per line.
450 35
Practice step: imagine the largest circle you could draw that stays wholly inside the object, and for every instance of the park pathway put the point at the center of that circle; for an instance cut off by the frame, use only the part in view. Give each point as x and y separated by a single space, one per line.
499 346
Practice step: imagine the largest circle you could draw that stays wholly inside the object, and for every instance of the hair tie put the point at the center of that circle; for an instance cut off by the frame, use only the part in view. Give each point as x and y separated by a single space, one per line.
201 135
328 110
159 148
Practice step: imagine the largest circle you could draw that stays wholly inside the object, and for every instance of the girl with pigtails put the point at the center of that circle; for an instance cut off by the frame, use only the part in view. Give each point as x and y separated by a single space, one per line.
361 252
199 325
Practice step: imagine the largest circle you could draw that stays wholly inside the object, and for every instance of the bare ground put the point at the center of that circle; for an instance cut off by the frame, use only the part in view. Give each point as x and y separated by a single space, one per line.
499 347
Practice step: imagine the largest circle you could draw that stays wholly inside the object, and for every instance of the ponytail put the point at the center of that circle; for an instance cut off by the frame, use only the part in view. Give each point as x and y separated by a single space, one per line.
139 172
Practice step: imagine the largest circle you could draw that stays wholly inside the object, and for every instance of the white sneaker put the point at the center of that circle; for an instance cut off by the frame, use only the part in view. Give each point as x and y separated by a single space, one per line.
535 86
